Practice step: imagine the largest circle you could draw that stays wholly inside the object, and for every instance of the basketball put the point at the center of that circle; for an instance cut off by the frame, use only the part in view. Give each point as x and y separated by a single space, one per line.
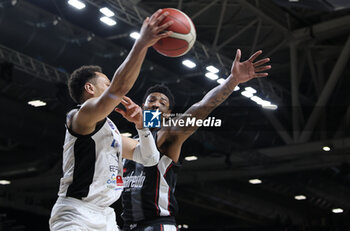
182 38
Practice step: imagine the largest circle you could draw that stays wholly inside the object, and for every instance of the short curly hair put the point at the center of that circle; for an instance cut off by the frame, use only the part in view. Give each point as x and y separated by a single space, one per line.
78 79
161 88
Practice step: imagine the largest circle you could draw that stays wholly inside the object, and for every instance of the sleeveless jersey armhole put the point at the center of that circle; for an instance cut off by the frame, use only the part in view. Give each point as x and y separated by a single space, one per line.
99 125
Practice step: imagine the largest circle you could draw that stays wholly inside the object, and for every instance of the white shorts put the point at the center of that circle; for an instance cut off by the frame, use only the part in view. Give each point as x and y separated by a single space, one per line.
70 214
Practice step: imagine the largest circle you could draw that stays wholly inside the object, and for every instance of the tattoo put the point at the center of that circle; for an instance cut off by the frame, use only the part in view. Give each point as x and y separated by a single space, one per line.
211 100
218 96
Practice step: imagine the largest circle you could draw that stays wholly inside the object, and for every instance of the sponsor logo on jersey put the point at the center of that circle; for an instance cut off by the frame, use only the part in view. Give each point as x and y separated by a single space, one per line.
114 144
113 168
112 126
115 182
134 181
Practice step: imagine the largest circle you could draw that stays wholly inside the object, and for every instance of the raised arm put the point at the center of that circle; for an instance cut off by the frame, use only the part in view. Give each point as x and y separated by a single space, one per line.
240 72
96 109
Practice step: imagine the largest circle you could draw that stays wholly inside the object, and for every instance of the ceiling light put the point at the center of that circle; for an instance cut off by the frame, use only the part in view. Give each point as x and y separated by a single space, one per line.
220 81
250 89
107 12
127 134
135 35
191 158
90 37
14 2
77 4
188 63
293 0
337 210
299 197
185 226
247 94
256 99
264 103
211 76
56 20
5 182
270 107
236 88
326 148
212 69
37 103
255 181
108 21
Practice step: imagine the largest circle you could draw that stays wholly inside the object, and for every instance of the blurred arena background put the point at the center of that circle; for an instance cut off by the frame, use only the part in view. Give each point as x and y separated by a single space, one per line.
283 167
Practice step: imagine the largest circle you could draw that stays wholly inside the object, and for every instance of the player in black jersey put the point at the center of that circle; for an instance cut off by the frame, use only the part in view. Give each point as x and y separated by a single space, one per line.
148 197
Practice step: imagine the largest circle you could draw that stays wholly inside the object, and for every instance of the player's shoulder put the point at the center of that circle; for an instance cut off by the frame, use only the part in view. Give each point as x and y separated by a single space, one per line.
70 116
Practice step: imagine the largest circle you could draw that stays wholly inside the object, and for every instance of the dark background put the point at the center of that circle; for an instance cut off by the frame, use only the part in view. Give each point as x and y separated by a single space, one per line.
42 41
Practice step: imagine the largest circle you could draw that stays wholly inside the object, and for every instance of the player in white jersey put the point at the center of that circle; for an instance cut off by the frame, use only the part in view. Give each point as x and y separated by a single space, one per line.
93 148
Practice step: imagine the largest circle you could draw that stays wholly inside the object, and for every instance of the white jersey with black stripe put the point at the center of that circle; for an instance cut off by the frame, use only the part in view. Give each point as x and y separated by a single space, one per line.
92 165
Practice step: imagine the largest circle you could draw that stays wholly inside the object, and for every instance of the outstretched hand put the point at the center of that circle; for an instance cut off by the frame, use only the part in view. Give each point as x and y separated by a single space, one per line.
133 112
247 70
151 31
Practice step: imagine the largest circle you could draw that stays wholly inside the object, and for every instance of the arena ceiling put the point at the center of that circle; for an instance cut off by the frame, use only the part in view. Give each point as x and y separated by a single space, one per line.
308 42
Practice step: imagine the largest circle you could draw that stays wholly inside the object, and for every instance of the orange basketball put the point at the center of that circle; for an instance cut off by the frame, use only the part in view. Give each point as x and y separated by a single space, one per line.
182 38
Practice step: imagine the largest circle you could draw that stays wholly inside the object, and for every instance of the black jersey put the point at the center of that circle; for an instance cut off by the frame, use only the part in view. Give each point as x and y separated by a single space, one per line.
149 191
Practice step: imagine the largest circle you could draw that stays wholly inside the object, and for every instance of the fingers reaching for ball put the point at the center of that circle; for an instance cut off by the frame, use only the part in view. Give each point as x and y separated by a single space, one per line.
153 28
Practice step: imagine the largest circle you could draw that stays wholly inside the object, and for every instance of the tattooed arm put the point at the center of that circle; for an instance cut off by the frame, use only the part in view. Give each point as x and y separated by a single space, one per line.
203 108
240 72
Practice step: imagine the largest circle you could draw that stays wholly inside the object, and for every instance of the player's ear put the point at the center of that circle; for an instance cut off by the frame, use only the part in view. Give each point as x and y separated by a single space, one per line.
89 88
